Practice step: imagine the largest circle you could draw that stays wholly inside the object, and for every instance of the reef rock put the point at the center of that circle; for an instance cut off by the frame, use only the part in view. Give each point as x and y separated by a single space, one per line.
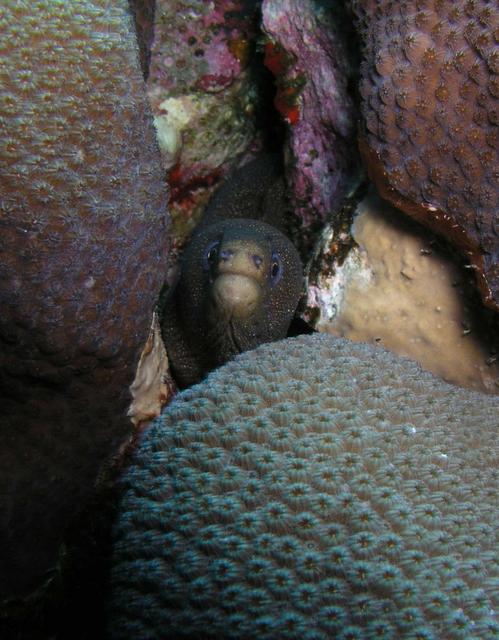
307 51
240 279
312 488
397 287
429 90
153 386
143 12
82 242
201 94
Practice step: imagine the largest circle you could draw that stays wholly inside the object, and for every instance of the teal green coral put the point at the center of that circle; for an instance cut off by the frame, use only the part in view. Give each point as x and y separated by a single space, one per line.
312 488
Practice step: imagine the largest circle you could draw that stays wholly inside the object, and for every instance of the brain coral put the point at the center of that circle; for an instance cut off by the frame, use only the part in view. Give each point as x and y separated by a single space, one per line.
312 488
82 237
429 90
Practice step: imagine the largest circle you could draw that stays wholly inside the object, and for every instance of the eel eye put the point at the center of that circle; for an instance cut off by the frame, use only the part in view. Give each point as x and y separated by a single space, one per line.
210 256
275 269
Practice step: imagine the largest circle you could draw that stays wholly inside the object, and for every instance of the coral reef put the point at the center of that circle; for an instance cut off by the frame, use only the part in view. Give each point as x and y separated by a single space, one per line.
312 488
429 92
201 95
398 288
307 51
82 241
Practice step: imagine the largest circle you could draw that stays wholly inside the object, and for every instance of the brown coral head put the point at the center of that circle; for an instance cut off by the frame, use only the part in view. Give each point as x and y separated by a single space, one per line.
429 106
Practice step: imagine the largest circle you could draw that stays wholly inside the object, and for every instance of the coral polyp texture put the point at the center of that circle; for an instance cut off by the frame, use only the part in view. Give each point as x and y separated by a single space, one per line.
312 488
429 90
307 52
82 236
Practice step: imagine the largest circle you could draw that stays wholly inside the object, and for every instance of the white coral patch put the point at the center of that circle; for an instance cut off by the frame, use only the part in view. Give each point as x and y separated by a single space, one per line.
174 115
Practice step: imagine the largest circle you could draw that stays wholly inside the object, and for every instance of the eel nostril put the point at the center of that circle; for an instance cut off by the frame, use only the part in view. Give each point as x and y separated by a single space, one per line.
257 260
226 254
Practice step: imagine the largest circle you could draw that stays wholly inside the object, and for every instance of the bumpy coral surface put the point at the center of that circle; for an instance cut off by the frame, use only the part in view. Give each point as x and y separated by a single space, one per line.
307 53
429 88
312 488
82 236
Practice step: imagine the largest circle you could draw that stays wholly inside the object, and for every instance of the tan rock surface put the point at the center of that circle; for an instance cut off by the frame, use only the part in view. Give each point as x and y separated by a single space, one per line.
153 386
400 291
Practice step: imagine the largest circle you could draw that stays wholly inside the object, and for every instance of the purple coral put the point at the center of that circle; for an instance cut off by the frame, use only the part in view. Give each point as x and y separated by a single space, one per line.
310 58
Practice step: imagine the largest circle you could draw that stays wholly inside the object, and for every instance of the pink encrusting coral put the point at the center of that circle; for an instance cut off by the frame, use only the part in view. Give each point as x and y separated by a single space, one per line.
209 47
201 95
308 55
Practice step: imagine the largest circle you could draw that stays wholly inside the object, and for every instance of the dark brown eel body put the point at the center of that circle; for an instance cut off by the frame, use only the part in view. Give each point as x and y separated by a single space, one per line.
240 278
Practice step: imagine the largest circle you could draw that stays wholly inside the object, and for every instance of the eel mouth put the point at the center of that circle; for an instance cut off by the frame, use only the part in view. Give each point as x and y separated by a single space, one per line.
236 296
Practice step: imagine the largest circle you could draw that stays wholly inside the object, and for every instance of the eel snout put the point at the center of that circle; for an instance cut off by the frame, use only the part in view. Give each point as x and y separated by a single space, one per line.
241 275
236 295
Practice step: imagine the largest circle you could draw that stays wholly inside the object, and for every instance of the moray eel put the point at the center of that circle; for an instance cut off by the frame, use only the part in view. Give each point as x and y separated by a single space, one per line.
240 278
428 135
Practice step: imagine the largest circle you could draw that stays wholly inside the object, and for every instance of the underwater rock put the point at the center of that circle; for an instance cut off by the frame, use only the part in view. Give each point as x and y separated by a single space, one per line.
153 386
201 94
307 51
429 90
143 12
312 488
398 288
82 240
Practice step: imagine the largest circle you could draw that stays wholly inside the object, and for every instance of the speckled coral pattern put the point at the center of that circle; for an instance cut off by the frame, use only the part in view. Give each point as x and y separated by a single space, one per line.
82 257
429 90
312 488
